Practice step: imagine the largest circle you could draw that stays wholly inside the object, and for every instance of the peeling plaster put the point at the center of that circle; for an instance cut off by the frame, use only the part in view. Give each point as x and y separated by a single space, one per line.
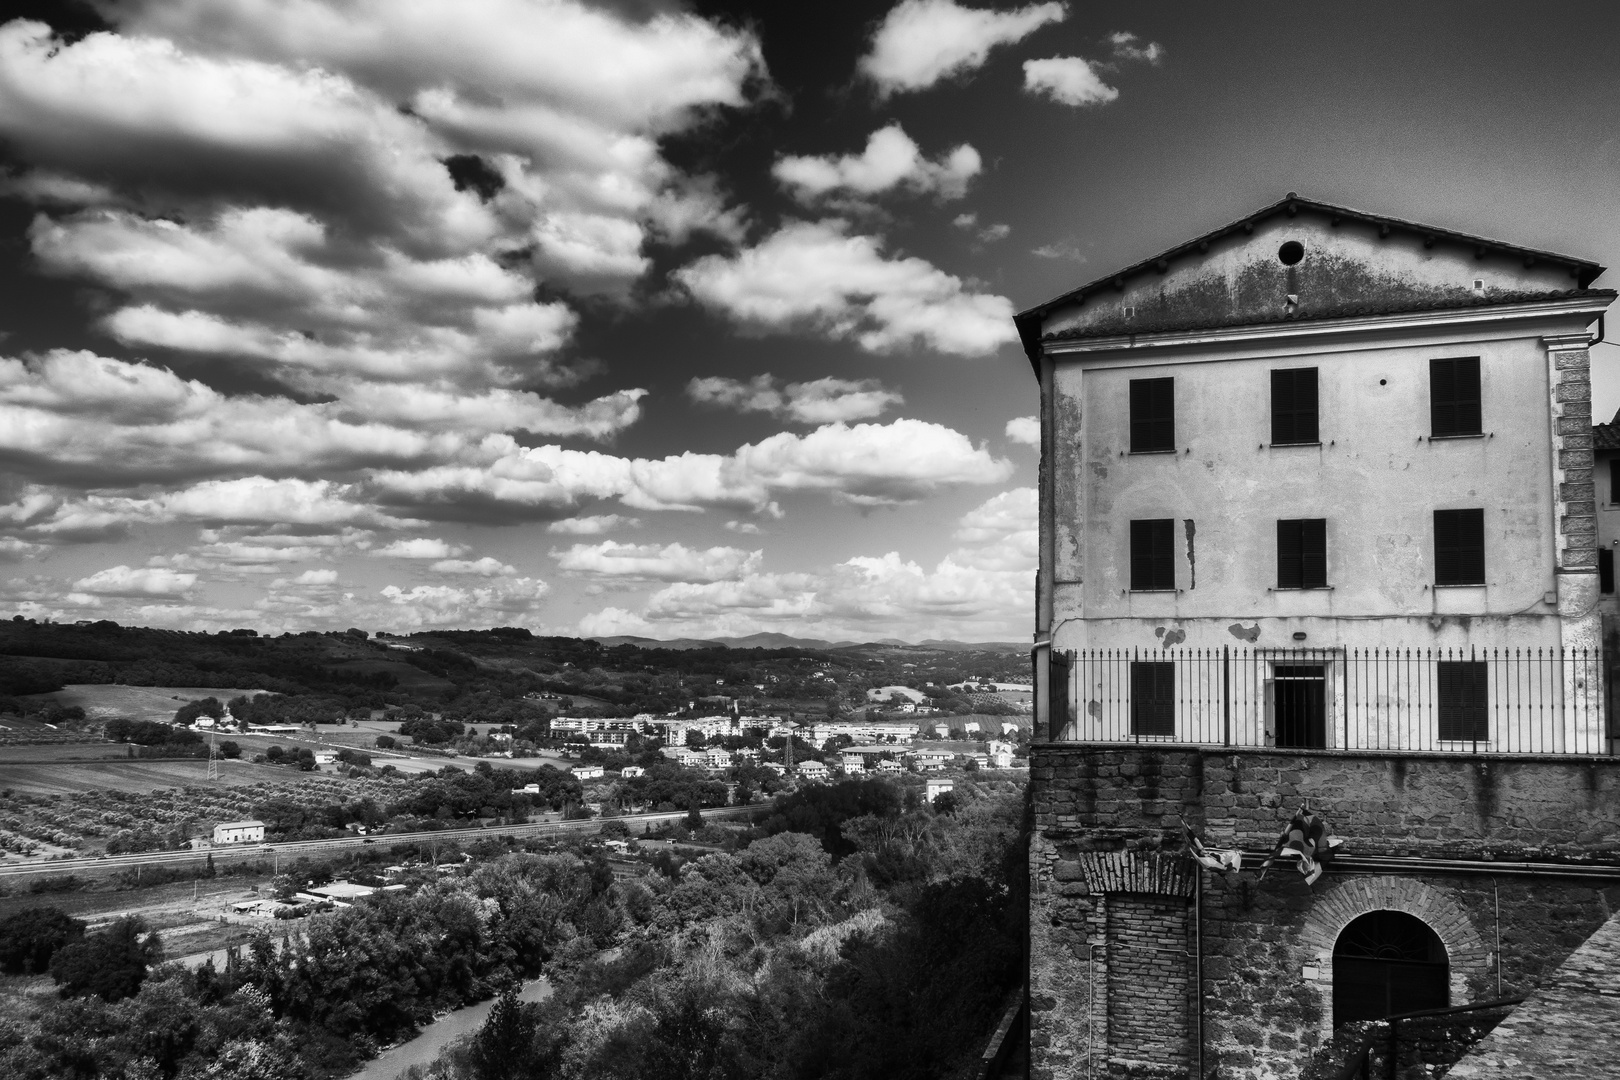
1244 633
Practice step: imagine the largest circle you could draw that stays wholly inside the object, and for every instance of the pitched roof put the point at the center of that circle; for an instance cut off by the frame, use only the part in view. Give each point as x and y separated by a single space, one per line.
1607 436
1583 271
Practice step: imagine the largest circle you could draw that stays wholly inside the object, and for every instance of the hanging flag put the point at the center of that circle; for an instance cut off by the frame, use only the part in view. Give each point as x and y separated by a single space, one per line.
1305 839
1211 860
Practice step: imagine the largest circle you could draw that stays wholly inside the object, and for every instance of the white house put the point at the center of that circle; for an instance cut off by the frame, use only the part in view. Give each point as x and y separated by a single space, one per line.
588 772
936 788
239 832
630 771
813 770
1277 453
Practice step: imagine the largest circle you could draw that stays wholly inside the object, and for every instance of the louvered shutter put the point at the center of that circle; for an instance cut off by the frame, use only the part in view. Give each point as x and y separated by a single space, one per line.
1454 397
1289 573
1294 406
1313 553
1459 547
1153 698
1463 693
1153 559
1153 415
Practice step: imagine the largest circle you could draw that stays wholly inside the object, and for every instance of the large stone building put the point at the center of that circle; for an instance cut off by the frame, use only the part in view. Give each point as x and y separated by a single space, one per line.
1318 529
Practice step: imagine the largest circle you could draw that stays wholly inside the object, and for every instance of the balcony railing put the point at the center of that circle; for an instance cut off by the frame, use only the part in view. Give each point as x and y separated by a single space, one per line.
1521 701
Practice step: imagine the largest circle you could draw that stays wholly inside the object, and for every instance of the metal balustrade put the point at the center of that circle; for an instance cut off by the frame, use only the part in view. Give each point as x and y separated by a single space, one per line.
1518 701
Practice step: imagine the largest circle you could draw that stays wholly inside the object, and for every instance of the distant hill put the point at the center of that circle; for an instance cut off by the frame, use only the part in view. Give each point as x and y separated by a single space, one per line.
787 641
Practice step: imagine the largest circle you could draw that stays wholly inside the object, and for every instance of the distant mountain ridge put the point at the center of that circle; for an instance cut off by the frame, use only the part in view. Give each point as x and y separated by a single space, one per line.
786 641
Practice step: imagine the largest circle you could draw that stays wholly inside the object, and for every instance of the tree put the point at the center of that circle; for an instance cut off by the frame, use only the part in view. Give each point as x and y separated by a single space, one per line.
694 819
385 742
30 938
229 749
111 965
504 1046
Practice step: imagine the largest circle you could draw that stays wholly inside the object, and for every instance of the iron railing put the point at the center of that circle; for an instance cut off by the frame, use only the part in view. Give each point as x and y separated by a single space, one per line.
1529 701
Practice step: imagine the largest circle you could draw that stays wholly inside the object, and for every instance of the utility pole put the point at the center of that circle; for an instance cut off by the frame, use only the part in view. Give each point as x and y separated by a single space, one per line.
213 757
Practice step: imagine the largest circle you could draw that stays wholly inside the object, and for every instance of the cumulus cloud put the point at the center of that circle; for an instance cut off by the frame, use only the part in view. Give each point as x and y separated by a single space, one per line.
1025 430
592 524
745 528
987 234
866 464
484 567
1128 46
890 161
921 42
420 547
670 562
821 401
136 581
503 601
1068 80
817 275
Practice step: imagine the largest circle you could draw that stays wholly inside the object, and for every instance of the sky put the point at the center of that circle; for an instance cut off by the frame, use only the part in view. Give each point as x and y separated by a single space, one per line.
654 318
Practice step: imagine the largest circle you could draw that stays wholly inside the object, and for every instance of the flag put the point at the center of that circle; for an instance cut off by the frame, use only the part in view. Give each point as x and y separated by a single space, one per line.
1211 860
1306 839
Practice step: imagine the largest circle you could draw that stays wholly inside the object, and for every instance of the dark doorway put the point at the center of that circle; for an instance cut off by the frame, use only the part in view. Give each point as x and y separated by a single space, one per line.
1299 703
1386 963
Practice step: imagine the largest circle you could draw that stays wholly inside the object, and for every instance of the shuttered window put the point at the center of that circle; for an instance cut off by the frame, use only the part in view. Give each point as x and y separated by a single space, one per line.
1459 547
1293 406
1605 570
1614 481
1153 415
1153 697
1454 396
1302 554
1462 693
1153 554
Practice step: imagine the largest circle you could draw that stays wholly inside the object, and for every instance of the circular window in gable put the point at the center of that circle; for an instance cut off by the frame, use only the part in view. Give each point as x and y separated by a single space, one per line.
1291 252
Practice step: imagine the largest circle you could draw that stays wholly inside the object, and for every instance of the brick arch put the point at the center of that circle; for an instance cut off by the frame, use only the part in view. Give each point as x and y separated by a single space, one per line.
1350 898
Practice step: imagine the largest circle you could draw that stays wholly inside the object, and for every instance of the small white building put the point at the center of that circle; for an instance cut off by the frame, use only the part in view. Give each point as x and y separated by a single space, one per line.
239 832
588 772
630 771
813 770
936 788
527 789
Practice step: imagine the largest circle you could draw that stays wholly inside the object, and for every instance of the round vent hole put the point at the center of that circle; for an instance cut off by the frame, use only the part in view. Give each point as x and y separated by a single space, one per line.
1291 252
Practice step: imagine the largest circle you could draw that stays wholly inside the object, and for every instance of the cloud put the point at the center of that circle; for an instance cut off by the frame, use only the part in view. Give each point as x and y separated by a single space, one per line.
816 275
865 464
989 234
822 401
890 161
504 601
921 42
421 548
745 528
1025 430
130 581
592 525
1062 250
485 567
1127 47
671 562
316 577
1068 80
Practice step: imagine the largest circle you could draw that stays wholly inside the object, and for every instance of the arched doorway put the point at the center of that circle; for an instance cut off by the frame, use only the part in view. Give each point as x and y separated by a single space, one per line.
1386 963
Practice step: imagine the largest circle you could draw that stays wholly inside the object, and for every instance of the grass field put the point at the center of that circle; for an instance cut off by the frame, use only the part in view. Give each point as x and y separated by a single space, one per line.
134 776
104 700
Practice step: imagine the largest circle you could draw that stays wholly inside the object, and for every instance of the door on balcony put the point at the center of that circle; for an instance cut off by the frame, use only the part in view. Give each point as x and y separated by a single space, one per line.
1386 963
1299 705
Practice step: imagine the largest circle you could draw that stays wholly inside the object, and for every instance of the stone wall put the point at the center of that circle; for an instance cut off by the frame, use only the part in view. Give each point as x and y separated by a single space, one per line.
1107 870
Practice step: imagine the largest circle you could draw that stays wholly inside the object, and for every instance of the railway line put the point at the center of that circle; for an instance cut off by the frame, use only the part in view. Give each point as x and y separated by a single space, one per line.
293 848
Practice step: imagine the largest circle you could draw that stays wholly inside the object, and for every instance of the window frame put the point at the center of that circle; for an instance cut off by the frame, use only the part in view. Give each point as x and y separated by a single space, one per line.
1472 711
1153 714
1288 415
1449 570
1152 421
1444 371
1310 567
1153 555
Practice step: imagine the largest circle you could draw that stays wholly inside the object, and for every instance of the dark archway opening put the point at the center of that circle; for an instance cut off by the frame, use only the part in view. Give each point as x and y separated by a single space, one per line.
1386 963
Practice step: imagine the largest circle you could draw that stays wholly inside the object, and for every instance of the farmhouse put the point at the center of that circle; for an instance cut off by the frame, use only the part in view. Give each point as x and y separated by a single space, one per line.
239 832
1318 548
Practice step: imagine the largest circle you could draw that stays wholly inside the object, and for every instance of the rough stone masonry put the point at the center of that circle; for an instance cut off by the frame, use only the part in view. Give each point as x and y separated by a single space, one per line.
1122 921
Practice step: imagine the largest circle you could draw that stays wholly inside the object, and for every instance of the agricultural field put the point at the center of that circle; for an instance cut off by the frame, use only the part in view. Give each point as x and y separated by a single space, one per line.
102 701
128 776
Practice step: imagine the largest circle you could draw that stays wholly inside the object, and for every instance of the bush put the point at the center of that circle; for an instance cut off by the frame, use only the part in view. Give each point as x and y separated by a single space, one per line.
386 742
30 938
110 965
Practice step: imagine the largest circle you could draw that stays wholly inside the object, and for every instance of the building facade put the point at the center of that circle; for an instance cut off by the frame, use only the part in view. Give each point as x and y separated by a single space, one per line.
239 832
1319 535
1318 438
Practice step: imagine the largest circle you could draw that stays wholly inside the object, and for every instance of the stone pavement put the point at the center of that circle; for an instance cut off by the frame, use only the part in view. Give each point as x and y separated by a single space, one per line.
1569 1028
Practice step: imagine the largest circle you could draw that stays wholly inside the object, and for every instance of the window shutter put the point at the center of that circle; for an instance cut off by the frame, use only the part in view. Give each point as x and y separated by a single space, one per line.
1153 554
1313 553
1289 575
1153 697
1605 570
1454 396
1459 547
1153 416
1463 692
1293 406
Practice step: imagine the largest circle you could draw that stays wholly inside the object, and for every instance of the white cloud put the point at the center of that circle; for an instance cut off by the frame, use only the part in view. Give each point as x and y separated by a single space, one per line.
484 567
131 581
989 234
316 577
1127 46
921 42
745 528
421 547
1068 80
815 274
670 562
822 401
891 160
499 602
592 524
1061 250
1025 430
867 464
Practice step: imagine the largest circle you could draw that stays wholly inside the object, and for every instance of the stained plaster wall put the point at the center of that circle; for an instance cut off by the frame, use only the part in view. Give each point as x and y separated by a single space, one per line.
1267 945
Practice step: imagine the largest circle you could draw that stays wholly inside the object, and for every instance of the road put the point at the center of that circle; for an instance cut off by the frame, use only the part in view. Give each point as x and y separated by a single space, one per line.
294 848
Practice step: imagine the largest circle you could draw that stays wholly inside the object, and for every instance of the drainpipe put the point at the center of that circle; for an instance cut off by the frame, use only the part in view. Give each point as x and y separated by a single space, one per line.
1198 962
